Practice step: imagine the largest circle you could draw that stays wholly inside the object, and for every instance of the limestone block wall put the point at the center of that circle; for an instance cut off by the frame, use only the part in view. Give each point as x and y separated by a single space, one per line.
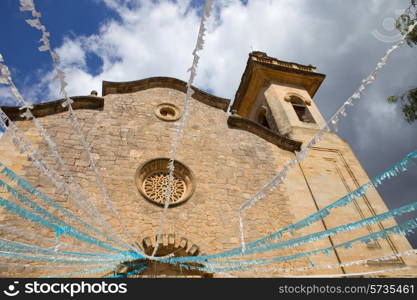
229 165
330 171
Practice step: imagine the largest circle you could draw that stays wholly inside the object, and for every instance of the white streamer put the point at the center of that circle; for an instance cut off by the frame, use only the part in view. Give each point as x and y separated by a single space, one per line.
36 237
82 202
24 145
53 267
341 112
180 127
60 76
349 274
329 266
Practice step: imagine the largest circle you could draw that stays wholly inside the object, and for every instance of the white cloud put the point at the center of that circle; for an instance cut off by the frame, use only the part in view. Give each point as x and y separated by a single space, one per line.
72 55
5 96
156 39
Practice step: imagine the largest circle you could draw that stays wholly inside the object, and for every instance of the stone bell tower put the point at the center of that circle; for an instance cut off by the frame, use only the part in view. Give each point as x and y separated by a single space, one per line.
275 100
278 95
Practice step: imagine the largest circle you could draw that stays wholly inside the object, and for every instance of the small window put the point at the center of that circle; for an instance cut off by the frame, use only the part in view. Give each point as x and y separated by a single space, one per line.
167 112
302 111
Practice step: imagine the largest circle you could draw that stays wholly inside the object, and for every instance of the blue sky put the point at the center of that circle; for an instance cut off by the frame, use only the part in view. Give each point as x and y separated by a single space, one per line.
62 19
66 21
121 40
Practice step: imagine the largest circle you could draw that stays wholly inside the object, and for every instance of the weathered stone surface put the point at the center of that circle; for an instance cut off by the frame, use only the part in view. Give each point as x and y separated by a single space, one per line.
229 165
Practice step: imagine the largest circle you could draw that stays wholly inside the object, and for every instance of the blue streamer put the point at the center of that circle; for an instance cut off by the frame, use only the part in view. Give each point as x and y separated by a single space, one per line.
403 229
311 237
400 166
400 229
339 229
33 191
84 272
137 271
22 247
54 260
65 230
63 226
140 268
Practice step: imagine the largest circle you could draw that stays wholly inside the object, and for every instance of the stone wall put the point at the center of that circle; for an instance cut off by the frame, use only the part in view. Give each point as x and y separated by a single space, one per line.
229 165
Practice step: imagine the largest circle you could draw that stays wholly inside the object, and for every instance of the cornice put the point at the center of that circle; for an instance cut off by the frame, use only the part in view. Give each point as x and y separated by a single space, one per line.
234 121
55 107
163 82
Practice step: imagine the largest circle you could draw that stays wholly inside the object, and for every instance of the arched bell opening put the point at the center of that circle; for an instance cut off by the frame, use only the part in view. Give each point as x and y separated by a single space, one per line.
300 107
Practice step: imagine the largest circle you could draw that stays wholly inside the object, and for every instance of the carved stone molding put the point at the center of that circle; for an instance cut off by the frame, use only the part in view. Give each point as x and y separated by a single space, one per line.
163 82
281 141
169 244
152 180
55 107
168 112
288 98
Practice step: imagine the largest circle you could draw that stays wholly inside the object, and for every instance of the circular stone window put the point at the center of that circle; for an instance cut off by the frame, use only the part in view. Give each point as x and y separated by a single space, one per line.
152 181
168 112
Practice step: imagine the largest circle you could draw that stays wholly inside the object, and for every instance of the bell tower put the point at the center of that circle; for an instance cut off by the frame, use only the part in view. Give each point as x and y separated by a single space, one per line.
278 95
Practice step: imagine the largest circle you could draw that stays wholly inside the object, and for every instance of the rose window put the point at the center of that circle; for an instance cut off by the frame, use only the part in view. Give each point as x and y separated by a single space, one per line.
155 187
152 182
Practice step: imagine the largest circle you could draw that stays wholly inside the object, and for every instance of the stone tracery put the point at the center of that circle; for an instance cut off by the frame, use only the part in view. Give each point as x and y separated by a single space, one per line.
156 184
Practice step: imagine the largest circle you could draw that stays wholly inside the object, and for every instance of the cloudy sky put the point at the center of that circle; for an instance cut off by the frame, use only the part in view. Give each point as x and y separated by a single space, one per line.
121 40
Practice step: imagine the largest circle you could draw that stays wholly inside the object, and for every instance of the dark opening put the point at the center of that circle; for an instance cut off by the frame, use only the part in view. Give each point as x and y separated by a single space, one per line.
167 112
303 113
261 119
178 247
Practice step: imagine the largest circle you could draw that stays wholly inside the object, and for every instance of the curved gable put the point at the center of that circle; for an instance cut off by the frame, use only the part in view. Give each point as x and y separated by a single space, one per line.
163 82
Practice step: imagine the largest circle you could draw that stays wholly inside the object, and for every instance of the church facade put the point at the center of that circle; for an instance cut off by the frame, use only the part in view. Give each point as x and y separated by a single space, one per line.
223 159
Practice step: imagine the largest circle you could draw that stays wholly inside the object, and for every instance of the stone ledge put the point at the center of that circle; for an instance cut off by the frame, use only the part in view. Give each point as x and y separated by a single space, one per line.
55 107
163 82
261 69
281 141
386 262
170 243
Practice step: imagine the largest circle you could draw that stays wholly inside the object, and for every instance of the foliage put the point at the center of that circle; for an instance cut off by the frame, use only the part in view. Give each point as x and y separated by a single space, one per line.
408 102
408 99
407 19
